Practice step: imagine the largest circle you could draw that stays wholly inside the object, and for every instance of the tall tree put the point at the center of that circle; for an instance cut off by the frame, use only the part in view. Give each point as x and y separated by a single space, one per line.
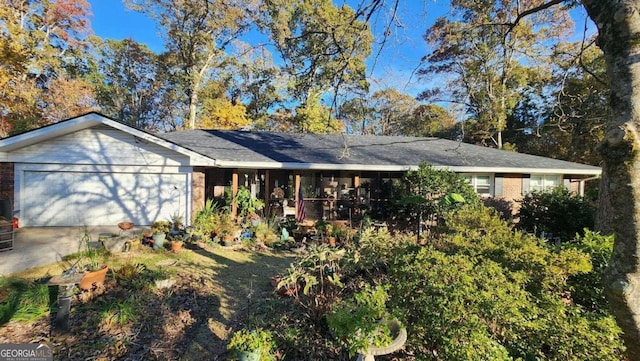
259 83
198 33
128 83
37 39
323 46
484 58
431 121
581 107
391 111
565 117
618 25
220 112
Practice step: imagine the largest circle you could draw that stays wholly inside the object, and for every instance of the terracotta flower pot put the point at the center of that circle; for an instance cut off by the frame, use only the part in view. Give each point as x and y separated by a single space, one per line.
93 279
176 246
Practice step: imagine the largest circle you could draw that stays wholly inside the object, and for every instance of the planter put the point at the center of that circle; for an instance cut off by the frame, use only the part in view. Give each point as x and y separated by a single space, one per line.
228 240
249 355
158 240
93 279
126 225
175 246
400 337
132 245
115 244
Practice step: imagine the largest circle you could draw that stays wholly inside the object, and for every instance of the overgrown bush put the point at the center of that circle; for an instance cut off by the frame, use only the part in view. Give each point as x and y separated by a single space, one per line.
485 292
427 192
587 289
480 290
503 207
558 213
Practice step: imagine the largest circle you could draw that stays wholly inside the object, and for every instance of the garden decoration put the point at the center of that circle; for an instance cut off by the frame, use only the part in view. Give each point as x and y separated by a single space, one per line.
364 326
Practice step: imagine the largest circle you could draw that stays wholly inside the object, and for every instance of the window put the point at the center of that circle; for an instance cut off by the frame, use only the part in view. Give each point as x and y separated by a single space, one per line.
544 182
480 183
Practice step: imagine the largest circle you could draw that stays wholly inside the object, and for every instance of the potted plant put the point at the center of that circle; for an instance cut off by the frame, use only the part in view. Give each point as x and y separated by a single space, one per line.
363 325
176 243
251 345
177 223
159 230
95 271
248 205
226 228
335 233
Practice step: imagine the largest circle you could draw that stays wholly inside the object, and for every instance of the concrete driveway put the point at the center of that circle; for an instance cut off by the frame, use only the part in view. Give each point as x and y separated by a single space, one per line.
46 245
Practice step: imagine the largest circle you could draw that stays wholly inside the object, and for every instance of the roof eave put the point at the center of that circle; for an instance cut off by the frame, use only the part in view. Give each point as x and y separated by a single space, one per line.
581 171
400 168
90 120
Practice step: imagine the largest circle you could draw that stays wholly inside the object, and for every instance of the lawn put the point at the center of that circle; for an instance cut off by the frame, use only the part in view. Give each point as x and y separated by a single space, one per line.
215 291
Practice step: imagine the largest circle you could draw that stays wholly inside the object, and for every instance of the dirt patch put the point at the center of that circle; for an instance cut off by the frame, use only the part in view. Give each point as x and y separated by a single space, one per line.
213 293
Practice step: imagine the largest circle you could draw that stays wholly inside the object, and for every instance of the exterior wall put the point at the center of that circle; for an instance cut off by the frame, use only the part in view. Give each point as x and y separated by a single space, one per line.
512 187
198 186
573 185
6 181
99 146
134 177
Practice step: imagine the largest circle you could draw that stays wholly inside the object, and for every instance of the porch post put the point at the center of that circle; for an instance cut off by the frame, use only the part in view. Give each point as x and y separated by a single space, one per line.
267 194
234 192
297 188
356 191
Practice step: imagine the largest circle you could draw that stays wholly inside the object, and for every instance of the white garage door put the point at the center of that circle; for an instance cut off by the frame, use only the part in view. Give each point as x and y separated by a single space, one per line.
93 199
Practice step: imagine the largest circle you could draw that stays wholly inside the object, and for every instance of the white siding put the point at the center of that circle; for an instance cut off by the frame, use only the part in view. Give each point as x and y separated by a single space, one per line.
99 176
99 146
97 199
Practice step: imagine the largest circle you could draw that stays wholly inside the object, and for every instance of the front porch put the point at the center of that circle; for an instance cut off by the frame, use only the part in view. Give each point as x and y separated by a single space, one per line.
327 194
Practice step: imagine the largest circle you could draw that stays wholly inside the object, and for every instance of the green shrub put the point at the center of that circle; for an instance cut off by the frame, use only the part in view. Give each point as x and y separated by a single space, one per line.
357 321
485 292
558 213
245 340
427 192
587 288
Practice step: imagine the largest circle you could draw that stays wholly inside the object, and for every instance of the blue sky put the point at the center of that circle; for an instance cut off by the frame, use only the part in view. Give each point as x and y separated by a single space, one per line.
394 67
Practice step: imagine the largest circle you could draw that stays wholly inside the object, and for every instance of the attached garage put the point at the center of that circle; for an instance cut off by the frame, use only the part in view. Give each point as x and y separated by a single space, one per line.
71 198
93 171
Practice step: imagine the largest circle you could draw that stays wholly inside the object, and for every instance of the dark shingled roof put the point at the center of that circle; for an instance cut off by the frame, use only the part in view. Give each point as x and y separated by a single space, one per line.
256 146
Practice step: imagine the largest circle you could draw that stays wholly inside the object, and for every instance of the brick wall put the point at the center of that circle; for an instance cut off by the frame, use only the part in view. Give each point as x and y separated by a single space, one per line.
512 187
6 181
198 187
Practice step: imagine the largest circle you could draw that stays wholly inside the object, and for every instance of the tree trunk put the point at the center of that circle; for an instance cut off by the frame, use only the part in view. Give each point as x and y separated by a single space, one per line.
618 23
193 101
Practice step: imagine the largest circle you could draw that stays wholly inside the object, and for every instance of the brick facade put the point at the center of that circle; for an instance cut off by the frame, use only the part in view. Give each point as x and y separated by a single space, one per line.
198 188
512 187
7 181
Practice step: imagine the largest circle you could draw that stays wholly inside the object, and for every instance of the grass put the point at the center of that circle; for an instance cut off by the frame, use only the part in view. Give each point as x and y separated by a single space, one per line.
22 300
215 291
